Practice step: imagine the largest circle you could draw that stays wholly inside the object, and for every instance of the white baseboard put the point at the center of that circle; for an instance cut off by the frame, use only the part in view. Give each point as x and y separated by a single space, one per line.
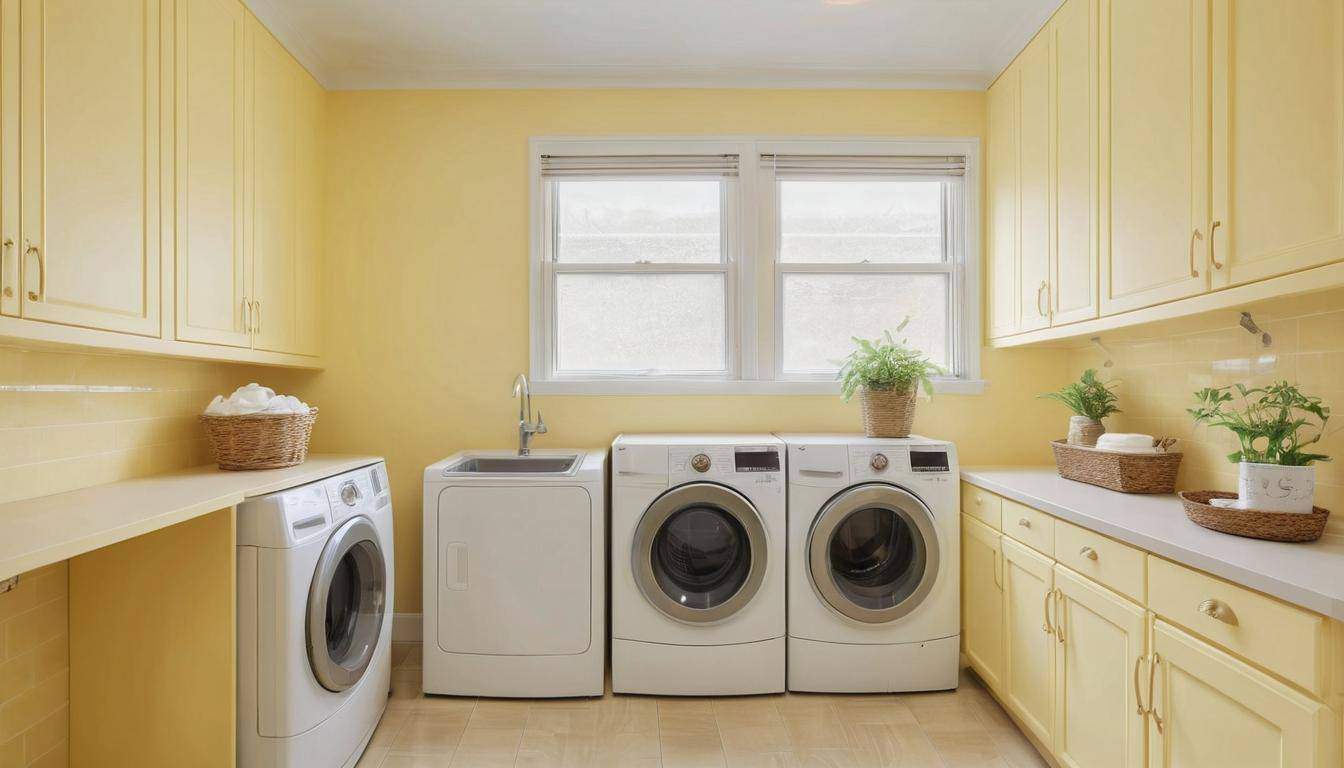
407 628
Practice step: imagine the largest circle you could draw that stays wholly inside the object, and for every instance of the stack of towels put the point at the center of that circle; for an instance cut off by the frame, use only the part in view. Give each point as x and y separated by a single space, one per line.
1127 443
253 399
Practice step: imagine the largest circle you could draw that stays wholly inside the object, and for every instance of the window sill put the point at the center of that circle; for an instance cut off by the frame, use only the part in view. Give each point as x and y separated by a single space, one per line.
656 386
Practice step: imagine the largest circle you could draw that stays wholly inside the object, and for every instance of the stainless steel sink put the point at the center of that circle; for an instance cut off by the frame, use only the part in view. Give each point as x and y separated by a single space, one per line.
513 465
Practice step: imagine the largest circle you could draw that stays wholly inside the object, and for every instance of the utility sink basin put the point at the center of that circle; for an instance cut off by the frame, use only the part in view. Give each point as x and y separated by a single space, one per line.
512 465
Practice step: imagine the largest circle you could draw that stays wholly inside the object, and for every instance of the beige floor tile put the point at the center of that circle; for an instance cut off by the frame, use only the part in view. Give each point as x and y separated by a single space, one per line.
627 714
754 738
761 760
887 709
494 741
403 760
633 746
426 733
568 721
476 760
372 757
748 710
500 713
949 711
388 727
888 745
446 705
814 729
967 749
829 758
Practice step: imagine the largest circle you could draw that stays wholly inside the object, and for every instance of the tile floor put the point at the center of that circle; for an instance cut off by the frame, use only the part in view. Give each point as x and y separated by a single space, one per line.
953 729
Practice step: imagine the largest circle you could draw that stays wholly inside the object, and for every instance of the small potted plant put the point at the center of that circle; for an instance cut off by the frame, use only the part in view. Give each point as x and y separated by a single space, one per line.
887 375
1091 400
1275 425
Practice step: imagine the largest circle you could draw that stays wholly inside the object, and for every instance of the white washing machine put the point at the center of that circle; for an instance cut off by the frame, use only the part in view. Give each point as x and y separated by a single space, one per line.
515 574
698 533
314 621
874 564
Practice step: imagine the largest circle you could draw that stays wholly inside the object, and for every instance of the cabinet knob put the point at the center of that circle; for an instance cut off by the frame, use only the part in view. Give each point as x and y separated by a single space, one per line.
1088 552
1024 522
1219 611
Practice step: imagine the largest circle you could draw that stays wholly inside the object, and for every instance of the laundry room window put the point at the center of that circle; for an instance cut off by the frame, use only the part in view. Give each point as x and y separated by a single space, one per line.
746 265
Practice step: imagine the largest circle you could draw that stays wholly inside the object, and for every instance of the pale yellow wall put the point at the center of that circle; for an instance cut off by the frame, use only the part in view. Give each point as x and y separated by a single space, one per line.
427 270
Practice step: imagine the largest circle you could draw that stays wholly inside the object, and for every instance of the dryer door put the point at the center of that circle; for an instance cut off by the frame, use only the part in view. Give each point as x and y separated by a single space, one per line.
345 605
700 552
873 552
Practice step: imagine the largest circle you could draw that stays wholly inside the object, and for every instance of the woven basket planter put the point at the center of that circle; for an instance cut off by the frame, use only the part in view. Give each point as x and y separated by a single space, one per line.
886 412
1253 524
260 441
1123 472
1084 431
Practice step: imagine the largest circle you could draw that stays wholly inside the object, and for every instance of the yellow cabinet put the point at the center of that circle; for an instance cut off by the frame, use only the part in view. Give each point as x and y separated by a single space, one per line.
9 157
1278 140
1154 136
982 600
1029 640
91 140
1210 709
1034 185
1100 639
1001 182
1073 191
212 257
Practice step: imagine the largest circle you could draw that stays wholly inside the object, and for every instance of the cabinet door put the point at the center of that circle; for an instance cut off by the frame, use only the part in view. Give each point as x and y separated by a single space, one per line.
212 263
1100 638
1278 138
1154 135
90 155
982 600
9 157
1001 170
1073 267
1034 186
308 236
274 178
1216 710
1029 642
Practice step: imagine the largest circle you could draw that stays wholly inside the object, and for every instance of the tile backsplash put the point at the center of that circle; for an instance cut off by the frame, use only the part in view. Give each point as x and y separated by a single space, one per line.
1159 371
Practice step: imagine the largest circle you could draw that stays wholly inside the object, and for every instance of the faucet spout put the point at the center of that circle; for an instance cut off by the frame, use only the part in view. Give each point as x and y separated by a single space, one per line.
526 427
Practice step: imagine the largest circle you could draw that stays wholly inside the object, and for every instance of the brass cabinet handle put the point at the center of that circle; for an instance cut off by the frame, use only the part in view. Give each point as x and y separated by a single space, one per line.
1138 693
1213 244
1024 522
1154 662
998 569
1039 291
1218 610
1089 553
1047 627
8 244
1059 622
1193 237
247 315
256 308
31 249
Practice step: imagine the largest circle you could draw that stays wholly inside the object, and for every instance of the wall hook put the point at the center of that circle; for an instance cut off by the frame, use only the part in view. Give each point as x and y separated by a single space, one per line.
1097 341
1248 323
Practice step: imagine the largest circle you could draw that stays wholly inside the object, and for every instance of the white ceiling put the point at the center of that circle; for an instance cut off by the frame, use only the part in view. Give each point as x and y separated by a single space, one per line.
355 44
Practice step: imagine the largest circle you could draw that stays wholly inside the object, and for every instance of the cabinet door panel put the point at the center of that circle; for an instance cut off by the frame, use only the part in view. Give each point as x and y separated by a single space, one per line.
212 274
308 235
9 157
1001 169
1278 139
1073 272
982 606
1034 187
274 169
1029 647
1155 82
90 147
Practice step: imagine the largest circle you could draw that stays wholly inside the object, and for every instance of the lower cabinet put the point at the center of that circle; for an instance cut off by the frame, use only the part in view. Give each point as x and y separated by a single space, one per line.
1029 639
1208 708
1100 649
982 603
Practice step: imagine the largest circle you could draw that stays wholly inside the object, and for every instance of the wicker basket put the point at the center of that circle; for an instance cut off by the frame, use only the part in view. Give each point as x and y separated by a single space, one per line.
260 441
888 413
1123 472
1253 524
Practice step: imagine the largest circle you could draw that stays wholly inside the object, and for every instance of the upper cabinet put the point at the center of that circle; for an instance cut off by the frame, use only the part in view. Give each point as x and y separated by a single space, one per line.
1073 182
9 157
1001 181
1034 162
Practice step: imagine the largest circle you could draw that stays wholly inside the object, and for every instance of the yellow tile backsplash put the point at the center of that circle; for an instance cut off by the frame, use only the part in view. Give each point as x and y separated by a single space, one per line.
1160 369
35 670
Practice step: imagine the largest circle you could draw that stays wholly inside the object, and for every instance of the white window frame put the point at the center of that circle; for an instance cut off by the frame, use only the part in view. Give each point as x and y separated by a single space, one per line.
754 277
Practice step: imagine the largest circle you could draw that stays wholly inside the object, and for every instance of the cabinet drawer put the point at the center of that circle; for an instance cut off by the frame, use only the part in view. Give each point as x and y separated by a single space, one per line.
981 504
1106 561
1286 640
1029 526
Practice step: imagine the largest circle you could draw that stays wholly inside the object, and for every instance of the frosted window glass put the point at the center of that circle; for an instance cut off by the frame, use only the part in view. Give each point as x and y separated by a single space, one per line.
602 221
821 312
640 322
853 221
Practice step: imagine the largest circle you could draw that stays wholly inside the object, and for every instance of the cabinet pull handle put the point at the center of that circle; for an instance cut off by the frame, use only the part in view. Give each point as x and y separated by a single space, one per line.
1047 627
1043 312
1152 703
998 569
1193 237
1138 692
1024 522
1059 622
256 307
40 294
1089 553
1219 611
247 315
1213 244
8 245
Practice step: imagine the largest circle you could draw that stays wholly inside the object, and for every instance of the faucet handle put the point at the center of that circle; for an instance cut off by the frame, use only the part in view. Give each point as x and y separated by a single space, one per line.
541 424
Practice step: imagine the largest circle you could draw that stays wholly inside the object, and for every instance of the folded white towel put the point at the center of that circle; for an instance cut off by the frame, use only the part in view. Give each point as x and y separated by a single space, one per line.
255 398
1126 443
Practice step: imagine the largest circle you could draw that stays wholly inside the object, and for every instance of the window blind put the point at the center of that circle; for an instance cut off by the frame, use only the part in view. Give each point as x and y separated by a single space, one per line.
553 166
868 165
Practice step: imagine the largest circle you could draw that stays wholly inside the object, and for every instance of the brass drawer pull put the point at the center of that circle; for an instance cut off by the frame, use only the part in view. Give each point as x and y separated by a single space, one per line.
1213 244
1089 553
1193 237
1059 621
40 294
1218 610
1024 522
8 244
1152 703
1047 628
1138 692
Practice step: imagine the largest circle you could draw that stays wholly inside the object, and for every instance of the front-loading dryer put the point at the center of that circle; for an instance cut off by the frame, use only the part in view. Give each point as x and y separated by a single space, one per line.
698 532
874 563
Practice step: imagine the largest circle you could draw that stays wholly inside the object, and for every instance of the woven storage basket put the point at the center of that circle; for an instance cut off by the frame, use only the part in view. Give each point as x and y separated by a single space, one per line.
888 413
260 441
1253 524
1123 472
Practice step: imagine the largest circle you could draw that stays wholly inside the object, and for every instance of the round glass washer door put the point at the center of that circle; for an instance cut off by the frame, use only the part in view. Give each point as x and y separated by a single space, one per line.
700 552
873 553
345 605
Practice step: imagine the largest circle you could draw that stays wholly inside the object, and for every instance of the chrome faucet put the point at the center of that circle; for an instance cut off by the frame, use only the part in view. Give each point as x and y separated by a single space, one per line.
526 427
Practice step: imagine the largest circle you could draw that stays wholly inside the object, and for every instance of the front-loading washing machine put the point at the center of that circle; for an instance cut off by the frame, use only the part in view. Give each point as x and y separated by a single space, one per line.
874 564
314 620
698 532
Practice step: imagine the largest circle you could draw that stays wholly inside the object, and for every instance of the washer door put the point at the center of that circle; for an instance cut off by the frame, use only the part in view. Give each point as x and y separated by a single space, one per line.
873 552
700 552
345 605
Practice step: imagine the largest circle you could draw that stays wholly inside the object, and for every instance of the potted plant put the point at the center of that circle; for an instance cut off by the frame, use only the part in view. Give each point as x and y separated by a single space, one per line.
1275 426
1091 400
887 375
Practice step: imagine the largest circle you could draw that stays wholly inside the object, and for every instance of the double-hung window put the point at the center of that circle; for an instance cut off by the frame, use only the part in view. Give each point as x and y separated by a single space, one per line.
747 265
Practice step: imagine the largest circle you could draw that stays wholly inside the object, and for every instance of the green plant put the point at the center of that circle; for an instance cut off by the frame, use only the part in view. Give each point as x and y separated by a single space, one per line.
1269 423
886 364
1089 396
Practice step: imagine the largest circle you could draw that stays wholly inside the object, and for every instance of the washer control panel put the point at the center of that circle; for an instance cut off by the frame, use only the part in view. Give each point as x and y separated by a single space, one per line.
756 465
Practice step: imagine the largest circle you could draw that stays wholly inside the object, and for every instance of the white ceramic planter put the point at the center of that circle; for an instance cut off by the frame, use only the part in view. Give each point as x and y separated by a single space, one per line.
1275 488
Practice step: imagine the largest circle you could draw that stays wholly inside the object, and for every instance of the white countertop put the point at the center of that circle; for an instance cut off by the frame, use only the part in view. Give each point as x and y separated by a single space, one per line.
49 529
1309 575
